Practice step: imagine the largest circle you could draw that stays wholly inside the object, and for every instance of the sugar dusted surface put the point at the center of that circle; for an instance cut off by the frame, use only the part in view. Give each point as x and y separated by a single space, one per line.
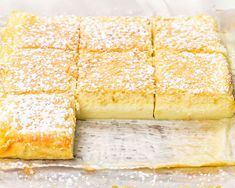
115 34
115 71
38 114
60 32
186 72
195 33
39 70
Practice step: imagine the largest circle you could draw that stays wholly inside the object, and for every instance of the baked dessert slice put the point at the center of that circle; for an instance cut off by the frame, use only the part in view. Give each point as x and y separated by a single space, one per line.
115 85
192 33
25 30
109 34
39 70
37 126
192 86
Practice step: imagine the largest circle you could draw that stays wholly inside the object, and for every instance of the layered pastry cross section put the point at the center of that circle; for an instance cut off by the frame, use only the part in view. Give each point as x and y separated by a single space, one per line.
115 85
192 74
38 68
37 126
115 68
192 86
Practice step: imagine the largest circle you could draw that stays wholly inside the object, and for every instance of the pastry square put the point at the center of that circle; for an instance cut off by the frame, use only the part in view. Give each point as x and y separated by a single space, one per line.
39 70
192 86
115 85
193 33
25 30
37 126
115 34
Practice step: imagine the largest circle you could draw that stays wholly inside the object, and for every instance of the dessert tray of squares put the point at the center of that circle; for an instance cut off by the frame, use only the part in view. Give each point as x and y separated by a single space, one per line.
123 92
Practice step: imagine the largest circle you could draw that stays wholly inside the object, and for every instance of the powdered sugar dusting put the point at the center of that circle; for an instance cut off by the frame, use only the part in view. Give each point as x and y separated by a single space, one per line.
200 73
39 70
195 34
38 114
60 32
104 34
114 71
115 55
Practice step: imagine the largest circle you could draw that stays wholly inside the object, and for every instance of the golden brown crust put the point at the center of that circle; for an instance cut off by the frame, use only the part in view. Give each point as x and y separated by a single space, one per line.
105 34
46 122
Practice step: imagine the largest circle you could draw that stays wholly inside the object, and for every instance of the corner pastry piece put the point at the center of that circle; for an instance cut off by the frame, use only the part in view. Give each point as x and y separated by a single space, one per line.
39 70
192 86
193 33
37 126
25 30
106 34
115 85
